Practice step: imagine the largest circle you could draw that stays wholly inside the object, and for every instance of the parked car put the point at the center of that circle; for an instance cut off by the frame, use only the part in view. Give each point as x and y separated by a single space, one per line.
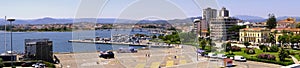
221 56
212 55
239 58
107 55
27 64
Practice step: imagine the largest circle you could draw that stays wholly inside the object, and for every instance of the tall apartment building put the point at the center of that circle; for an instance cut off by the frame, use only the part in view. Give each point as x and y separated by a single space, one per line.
224 12
197 26
219 27
207 15
39 49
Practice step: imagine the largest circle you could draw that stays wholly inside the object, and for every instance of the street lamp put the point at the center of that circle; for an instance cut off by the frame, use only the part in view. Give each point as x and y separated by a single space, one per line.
11 48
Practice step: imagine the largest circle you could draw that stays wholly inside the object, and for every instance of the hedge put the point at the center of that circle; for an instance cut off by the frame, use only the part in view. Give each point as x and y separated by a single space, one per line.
270 61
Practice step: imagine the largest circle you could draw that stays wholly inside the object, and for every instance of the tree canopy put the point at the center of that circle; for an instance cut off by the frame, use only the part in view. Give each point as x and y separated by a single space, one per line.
271 22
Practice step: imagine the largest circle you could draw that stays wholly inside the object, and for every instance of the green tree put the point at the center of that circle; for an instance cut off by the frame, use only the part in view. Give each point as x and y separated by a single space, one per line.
154 37
284 39
263 47
271 22
274 48
172 39
283 54
235 29
228 48
161 36
246 44
271 38
203 44
294 39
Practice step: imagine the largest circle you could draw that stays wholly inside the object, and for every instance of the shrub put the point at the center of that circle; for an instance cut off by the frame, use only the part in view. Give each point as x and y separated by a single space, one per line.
270 61
274 48
263 47
235 48
266 56
249 51
48 64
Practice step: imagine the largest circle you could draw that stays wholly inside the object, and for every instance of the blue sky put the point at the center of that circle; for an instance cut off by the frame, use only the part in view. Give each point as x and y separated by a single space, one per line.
30 9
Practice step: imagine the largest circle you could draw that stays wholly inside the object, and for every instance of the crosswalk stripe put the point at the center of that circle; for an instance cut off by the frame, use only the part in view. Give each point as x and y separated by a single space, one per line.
169 63
140 65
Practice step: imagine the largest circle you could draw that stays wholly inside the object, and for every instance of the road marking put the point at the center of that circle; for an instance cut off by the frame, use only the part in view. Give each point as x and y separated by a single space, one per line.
169 63
155 65
182 61
140 65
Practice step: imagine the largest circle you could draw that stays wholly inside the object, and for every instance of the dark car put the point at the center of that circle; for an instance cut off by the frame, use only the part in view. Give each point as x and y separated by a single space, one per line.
27 64
107 55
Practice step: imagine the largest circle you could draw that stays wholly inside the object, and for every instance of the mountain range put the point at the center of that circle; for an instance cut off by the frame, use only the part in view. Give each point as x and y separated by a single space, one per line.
48 20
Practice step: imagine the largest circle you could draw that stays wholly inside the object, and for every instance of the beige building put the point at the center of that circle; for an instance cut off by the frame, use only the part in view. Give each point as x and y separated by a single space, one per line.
286 23
279 31
254 35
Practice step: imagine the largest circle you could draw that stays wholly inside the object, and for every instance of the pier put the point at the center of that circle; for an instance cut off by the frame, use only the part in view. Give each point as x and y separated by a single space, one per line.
122 43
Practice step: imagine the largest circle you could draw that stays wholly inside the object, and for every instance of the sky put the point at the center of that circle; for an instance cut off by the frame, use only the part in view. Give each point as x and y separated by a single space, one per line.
140 9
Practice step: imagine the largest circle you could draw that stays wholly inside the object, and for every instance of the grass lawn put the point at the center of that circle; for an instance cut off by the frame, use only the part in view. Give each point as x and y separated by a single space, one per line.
257 52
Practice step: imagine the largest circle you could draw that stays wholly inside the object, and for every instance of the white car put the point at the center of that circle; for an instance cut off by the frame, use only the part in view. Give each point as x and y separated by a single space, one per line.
239 58
212 55
221 56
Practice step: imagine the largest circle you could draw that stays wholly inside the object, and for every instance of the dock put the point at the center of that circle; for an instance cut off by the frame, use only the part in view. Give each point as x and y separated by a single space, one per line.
120 43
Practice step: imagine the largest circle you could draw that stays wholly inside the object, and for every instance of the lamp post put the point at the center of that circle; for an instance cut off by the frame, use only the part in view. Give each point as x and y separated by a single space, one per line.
5 34
11 48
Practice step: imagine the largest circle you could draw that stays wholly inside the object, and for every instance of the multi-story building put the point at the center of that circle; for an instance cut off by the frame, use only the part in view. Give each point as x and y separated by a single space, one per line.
223 12
197 26
219 27
280 31
207 15
39 49
254 35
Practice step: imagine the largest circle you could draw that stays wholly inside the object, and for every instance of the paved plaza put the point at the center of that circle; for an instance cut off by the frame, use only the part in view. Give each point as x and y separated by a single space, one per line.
185 57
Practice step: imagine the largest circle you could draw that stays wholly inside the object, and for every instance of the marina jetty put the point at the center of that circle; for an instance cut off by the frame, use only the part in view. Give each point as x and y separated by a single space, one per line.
108 42
133 40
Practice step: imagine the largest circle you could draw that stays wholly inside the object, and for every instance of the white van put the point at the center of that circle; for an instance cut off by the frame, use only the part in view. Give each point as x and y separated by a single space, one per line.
239 58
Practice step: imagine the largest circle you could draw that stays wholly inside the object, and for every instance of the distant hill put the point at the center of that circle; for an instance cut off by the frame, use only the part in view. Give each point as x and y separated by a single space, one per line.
250 18
48 20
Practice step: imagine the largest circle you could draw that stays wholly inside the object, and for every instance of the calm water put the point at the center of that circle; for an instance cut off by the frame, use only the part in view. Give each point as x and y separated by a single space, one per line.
60 40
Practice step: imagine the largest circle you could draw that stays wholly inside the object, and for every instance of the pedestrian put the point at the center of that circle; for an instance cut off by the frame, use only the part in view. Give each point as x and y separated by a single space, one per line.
146 55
